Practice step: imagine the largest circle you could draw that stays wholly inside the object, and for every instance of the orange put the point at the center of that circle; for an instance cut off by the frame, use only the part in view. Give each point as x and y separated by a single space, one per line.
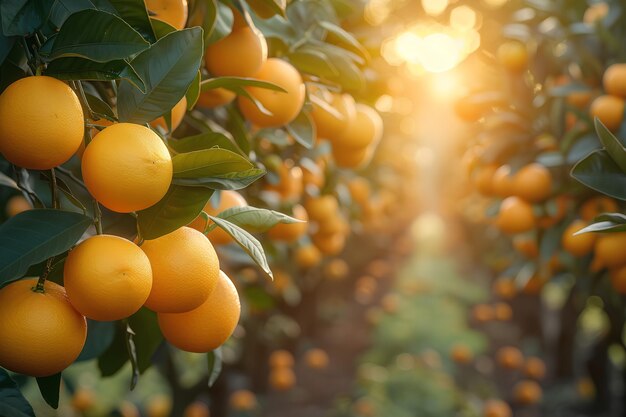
208 326
314 176
595 206
515 216
595 12
331 244
128 409
618 279
197 409
308 256
609 250
335 224
41 332
461 353
127 167
580 99
289 185
510 357
352 158
361 131
41 123
496 408
527 392
562 203
389 303
316 358
614 80
243 400
281 358
534 285
178 113
483 179
240 54
535 368
228 199
527 246
502 182
610 110
513 56
533 183
159 406
585 388
282 379
290 232
470 110
336 269
579 245
16 205
173 12
185 270
331 125
322 207
107 277
215 97
283 106
359 189
482 313
83 399
502 311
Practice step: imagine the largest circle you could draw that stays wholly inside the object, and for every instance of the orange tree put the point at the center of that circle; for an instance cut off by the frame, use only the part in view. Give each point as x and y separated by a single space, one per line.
125 129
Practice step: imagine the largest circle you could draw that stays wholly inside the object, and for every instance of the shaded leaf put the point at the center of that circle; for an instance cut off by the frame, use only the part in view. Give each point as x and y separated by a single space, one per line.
147 338
99 337
134 13
303 130
49 387
84 69
214 365
12 402
22 17
599 172
202 141
614 147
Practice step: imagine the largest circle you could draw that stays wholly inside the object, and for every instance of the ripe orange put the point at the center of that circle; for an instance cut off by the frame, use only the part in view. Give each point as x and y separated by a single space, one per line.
173 12
618 279
178 113
533 183
283 106
595 12
336 269
282 379
359 188
197 409
329 244
208 326
127 167
515 216
614 80
281 358
42 333
83 399
185 270
610 110
579 245
16 205
228 199
502 311
534 285
322 207
595 206
41 123
314 176
535 368
308 256
215 97
527 392
513 56
352 158
289 185
107 277
128 409
609 250
482 313
240 54
504 288
483 179
243 400
365 129
461 353
562 203
159 405
585 388
290 232
316 358
496 408
510 357
332 125
502 182
527 246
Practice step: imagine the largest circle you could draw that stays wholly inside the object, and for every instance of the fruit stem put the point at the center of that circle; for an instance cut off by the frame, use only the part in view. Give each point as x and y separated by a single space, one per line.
97 216
42 278
54 189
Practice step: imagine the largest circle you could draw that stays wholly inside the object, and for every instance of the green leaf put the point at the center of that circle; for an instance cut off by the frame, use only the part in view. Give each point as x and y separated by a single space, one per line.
246 241
178 208
8 181
606 222
100 107
36 235
599 172
214 168
313 61
161 28
147 338
207 11
202 141
613 145
99 337
237 127
98 36
341 36
222 25
236 84
22 17
134 13
132 355
256 219
12 402
84 69
62 9
49 387
168 68
214 365
303 130
116 356
193 92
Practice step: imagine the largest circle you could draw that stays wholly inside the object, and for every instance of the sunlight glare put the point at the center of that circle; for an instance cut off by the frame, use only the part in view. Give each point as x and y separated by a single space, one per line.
435 7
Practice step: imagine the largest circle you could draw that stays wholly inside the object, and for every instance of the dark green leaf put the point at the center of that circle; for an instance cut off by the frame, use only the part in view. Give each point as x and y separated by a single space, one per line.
62 9
36 235
100 107
99 337
132 355
161 28
222 25
147 338
12 402
599 172
193 92
247 242
168 68
134 13
6 44
178 208
255 219
23 17
49 387
236 84
614 147
303 130
84 69
116 356
313 61
202 141
8 181
237 126
214 365
207 11
98 36
341 36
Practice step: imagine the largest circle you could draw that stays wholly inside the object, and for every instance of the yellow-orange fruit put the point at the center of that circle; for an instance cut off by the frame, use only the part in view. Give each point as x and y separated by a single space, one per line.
527 392
502 182
618 279
322 207
609 110
614 80
228 199
461 353
240 54
178 113
308 256
504 288
533 183
83 399
243 400
215 97
513 56
609 250
515 216
173 12
496 408
579 245
197 409
595 206
482 313
290 232
16 205
331 125
535 368
510 357
316 359
281 359
483 179
282 379
502 311
365 129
